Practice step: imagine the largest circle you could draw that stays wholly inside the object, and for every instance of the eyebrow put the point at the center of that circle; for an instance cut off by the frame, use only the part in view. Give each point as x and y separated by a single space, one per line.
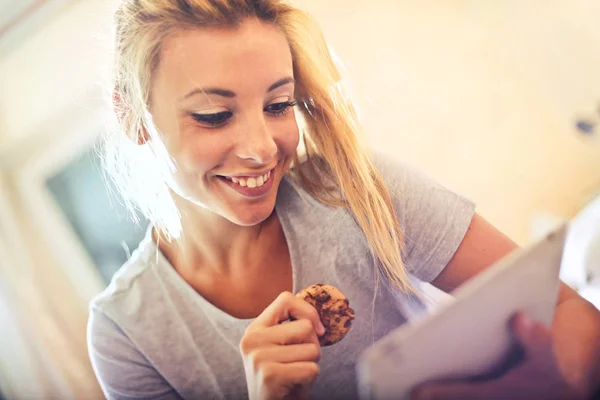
231 94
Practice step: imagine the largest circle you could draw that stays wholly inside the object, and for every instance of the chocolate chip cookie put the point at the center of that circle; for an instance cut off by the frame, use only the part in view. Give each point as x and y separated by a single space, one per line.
333 308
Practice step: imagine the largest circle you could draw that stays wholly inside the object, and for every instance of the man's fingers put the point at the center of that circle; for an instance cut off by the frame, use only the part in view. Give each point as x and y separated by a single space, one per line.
288 306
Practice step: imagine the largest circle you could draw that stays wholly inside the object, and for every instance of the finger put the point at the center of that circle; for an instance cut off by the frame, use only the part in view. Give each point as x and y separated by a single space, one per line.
295 332
290 375
286 354
285 306
514 357
533 336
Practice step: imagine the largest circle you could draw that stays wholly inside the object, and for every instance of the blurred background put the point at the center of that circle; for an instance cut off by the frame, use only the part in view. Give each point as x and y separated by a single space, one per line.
497 99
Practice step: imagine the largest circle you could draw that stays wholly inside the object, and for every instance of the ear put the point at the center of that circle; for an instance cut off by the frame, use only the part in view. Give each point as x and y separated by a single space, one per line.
123 112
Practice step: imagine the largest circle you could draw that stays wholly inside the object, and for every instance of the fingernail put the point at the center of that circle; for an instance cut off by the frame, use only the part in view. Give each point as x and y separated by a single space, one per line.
321 329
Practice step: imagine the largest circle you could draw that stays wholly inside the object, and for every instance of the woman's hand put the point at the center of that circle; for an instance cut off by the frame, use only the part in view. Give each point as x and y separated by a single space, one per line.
280 358
537 376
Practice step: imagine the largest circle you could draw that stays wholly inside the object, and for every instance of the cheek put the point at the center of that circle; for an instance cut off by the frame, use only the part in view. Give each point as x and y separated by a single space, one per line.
202 153
290 138
188 162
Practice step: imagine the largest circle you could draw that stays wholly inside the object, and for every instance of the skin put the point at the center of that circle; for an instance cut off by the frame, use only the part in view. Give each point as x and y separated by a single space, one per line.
564 358
229 239
232 241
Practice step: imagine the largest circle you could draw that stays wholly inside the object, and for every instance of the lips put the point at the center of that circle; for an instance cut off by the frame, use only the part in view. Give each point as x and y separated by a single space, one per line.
250 181
248 186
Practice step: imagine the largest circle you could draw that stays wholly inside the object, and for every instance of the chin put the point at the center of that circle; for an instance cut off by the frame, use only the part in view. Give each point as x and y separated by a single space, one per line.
250 217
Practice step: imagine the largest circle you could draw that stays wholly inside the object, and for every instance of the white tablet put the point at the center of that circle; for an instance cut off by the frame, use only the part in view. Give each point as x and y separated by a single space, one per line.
469 336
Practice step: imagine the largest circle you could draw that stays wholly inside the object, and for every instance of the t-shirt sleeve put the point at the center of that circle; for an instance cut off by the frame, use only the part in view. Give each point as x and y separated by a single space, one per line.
122 371
434 219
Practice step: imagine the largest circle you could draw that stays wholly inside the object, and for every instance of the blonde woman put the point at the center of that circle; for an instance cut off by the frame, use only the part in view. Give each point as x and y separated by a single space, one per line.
207 94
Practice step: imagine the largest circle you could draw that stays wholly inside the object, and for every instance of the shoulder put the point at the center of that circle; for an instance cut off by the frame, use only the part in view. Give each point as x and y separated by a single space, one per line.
122 368
114 313
412 189
434 219
401 177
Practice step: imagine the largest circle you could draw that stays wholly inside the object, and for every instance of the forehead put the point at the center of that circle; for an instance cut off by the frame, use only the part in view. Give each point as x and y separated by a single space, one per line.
254 52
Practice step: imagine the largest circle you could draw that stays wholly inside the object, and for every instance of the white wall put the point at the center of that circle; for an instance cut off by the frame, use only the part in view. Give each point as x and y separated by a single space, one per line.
482 95
54 71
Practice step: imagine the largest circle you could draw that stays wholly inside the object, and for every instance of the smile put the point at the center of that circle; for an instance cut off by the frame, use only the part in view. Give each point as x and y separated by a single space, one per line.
250 181
251 186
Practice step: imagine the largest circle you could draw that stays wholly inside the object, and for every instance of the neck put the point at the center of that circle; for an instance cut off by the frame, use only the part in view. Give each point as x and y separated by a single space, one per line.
213 244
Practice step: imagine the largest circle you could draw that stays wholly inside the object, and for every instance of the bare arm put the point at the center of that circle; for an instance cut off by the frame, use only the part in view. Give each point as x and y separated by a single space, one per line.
576 325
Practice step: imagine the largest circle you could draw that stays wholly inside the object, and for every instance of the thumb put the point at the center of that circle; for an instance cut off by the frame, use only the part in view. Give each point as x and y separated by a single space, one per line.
532 335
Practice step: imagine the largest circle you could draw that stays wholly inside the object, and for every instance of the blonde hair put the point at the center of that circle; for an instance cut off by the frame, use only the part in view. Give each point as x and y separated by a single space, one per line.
341 174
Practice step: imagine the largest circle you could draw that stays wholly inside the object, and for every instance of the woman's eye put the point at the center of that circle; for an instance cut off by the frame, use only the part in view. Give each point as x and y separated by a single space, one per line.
215 119
279 108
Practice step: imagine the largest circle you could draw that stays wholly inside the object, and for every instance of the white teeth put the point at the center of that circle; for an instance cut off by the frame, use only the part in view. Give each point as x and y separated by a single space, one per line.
251 182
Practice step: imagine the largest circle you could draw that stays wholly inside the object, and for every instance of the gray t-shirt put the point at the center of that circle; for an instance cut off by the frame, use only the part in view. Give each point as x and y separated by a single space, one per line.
150 335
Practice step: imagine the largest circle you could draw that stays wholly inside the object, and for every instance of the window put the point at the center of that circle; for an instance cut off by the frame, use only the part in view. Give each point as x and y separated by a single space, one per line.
95 213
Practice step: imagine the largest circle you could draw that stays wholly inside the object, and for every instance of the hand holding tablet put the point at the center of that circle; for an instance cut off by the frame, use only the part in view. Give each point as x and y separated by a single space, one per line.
471 335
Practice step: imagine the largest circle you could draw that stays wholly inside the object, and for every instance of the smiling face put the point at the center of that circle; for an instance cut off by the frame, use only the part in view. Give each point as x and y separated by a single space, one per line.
223 99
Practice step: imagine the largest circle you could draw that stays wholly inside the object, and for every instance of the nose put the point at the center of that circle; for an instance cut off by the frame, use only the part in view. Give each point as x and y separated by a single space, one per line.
256 141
